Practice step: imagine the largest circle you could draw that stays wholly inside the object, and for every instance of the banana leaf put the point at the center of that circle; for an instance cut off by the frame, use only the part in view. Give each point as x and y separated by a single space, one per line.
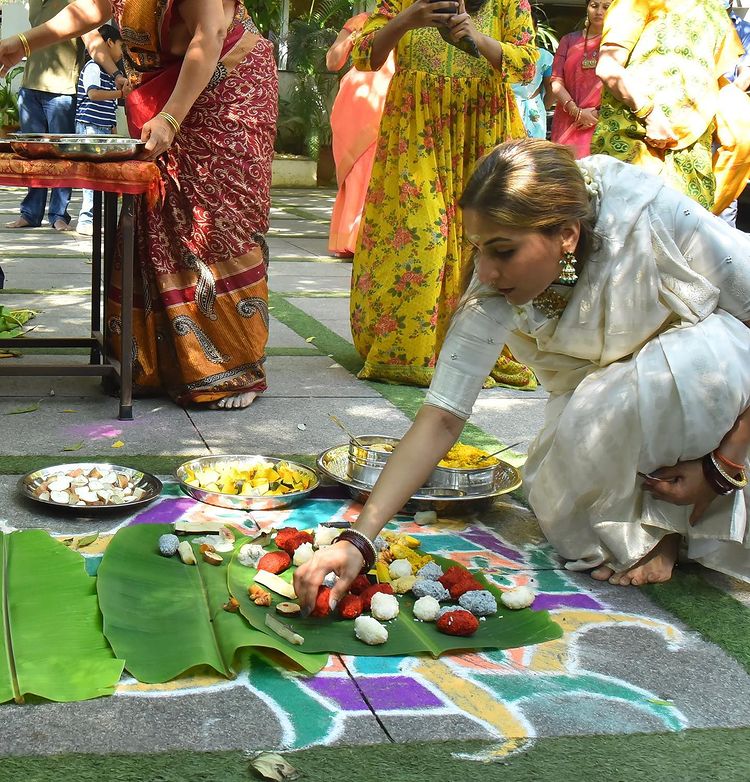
51 642
164 617
506 630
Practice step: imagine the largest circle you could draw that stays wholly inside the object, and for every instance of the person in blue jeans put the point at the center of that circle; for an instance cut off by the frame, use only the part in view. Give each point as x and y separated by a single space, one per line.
46 104
96 110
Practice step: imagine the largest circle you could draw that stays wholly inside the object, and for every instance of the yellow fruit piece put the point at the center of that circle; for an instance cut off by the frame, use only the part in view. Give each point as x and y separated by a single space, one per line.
381 571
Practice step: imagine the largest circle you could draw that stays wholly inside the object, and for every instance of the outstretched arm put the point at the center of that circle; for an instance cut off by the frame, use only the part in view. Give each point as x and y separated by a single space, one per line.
76 19
430 437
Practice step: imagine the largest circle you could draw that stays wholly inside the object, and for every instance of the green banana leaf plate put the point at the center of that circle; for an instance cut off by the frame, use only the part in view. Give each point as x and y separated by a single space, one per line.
51 642
506 630
165 618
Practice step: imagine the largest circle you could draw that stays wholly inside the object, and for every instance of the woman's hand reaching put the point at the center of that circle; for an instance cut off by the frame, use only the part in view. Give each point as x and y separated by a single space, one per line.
341 558
683 484
158 135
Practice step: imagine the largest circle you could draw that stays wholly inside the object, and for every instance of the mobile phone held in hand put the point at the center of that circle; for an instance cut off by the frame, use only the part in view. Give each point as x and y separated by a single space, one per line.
447 11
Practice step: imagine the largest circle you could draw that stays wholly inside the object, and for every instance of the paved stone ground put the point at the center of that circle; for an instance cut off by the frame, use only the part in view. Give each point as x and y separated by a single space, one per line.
624 666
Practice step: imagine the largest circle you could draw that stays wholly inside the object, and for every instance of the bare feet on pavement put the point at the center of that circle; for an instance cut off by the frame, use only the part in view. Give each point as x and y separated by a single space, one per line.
61 225
19 222
655 568
238 402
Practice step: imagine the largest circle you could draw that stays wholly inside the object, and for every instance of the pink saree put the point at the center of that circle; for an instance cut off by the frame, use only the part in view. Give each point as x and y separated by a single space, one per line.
583 85
201 312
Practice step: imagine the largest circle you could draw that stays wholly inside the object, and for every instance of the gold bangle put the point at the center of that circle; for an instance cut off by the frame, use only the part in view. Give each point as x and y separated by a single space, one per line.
644 110
25 43
171 120
738 483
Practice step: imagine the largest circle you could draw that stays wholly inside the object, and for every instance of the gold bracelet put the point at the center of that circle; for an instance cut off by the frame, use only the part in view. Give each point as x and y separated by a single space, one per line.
25 43
738 483
171 120
644 110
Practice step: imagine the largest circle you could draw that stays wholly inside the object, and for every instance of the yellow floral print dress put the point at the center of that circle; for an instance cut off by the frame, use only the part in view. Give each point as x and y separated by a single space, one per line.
444 111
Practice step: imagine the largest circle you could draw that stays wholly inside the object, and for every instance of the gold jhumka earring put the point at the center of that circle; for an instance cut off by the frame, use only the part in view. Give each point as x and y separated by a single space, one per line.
568 273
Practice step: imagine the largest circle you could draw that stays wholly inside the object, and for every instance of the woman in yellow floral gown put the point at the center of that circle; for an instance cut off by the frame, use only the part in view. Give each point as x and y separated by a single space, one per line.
661 59
445 109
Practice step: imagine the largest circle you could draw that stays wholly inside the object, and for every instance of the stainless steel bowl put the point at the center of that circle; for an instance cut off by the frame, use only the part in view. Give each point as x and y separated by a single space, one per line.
365 463
71 147
144 480
235 501
467 477
333 463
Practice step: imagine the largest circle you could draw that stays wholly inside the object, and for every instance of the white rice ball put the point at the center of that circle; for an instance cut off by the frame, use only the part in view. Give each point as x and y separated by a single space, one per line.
383 606
249 554
423 517
303 553
518 597
370 630
426 609
324 536
399 568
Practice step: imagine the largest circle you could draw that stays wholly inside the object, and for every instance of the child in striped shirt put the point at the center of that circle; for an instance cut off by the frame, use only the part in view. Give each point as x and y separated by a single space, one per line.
96 110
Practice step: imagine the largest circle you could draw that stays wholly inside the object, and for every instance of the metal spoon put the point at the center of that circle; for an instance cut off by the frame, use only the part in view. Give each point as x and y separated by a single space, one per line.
346 431
504 448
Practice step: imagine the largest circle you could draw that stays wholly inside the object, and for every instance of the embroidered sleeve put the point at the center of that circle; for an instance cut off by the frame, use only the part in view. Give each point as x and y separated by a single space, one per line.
384 12
519 52
470 350
718 252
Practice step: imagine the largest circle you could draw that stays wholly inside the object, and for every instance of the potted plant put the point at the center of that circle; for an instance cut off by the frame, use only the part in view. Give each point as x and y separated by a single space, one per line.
9 103
311 97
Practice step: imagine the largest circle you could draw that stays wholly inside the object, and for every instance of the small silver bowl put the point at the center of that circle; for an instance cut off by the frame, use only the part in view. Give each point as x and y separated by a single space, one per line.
365 461
240 502
465 478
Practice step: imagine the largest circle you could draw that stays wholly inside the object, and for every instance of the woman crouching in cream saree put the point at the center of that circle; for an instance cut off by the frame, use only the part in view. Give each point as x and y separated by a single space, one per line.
205 99
645 353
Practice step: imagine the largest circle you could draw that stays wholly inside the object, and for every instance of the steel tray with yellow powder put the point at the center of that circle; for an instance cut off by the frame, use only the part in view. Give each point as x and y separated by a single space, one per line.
246 482
467 497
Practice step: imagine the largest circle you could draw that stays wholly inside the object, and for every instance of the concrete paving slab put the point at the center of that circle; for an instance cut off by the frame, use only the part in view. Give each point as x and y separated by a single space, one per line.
41 269
333 313
318 281
281 336
271 424
282 248
159 427
139 722
314 246
509 419
312 377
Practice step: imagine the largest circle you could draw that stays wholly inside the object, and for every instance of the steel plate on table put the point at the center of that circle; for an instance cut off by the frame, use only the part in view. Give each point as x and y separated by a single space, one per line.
242 502
72 147
333 463
30 482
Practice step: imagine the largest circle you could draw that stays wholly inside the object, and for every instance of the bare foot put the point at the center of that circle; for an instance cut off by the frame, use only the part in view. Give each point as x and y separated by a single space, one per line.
655 568
19 222
602 573
61 225
238 402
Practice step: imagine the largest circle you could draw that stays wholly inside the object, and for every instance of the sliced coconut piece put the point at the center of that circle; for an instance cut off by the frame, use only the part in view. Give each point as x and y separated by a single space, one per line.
60 497
283 630
79 480
44 496
60 484
108 477
89 496
95 473
187 555
275 583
